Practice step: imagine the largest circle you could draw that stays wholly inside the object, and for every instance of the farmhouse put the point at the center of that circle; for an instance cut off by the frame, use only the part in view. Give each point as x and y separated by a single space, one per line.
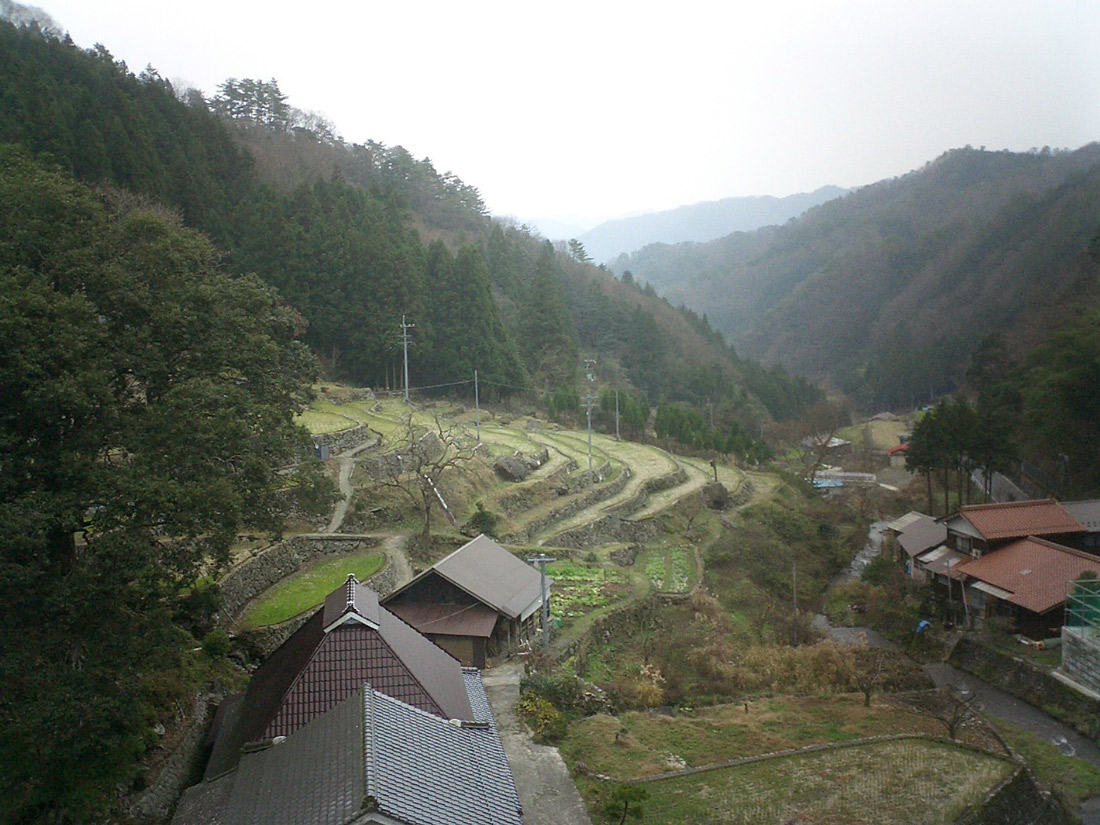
352 640
1026 582
371 758
477 603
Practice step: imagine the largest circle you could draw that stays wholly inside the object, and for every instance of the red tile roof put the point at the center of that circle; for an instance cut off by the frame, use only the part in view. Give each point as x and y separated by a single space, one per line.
1035 571
1018 519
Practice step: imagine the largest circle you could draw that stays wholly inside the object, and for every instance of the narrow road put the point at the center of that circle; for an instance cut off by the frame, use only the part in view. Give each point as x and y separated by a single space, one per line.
546 790
347 467
995 702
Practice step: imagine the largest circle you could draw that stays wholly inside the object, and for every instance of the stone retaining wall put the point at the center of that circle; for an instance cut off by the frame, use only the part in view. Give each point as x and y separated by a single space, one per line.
155 803
596 494
1034 685
614 527
343 440
253 576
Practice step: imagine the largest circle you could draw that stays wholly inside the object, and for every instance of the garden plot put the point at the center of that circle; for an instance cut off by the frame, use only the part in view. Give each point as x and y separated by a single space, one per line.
580 589
670 570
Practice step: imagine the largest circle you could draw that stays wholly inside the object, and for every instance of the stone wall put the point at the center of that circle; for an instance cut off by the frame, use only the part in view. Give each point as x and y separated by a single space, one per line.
1081 658
344 440
155 803
253 576
1034 685
595 494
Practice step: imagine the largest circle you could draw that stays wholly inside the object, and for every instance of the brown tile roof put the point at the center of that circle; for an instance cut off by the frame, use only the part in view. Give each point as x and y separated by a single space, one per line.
1035 571
490 574
1017 519
350 641
448 619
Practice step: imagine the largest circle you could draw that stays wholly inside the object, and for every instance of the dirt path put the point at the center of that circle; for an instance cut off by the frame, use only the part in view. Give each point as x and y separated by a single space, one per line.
546 789
347 467
398 559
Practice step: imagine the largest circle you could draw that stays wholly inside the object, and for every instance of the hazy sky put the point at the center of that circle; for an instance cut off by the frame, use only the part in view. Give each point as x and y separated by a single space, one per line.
595 108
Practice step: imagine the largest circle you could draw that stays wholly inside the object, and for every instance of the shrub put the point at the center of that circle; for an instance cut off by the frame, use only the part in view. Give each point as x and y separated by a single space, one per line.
548 724
216 643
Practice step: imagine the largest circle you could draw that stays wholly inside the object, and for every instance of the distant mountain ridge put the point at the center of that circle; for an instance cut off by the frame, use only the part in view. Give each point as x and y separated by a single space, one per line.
699 222
886 291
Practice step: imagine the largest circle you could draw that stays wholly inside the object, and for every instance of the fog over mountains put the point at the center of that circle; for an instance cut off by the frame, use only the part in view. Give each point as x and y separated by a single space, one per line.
699 222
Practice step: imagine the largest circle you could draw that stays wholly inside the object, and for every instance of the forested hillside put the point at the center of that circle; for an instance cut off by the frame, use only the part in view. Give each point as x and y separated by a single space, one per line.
356 236
886 291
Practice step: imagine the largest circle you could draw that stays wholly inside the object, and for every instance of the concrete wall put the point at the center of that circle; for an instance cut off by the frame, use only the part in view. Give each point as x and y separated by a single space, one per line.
1081 658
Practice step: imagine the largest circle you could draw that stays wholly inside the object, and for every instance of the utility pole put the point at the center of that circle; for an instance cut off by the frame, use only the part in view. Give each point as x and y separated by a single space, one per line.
616 415
405 342
589 398
541 561
477 409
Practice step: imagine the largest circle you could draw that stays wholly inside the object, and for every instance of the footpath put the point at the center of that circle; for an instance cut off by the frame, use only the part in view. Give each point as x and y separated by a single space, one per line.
546 790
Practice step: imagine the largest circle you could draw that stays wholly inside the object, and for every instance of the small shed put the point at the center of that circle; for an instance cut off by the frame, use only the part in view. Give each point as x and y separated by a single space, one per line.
476 603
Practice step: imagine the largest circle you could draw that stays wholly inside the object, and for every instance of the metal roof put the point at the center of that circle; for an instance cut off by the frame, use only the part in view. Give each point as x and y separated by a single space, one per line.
921 534
448 619
370 758
1033 570
1017 519
490 574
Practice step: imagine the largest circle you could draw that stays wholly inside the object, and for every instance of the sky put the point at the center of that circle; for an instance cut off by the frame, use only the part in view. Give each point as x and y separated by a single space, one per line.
592 109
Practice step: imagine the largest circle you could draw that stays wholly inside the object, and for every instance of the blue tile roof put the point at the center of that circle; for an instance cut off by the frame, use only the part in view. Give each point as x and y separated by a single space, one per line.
371 753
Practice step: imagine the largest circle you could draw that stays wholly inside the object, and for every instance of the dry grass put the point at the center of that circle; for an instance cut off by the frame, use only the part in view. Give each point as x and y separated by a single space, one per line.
907 782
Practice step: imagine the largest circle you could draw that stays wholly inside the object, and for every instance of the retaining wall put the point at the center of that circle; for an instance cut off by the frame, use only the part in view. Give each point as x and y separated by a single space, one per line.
344 440
253 576
1081 658
596 494
156 802
1034 685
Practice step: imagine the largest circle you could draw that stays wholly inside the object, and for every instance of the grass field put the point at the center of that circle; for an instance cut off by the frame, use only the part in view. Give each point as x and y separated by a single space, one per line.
905 782
308 588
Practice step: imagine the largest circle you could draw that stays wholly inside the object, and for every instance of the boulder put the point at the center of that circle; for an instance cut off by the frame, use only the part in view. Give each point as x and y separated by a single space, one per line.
716 496
510 468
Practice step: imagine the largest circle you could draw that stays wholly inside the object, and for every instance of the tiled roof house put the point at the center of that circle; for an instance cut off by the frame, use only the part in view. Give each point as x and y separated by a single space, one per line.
1026 581
979 528
369 759
352 640
476 601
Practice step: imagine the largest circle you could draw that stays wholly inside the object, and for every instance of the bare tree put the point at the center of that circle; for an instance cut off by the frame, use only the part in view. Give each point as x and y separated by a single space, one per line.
417 466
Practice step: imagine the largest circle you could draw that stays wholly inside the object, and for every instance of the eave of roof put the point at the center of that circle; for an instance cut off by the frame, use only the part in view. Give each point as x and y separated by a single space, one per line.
1017 519
1035 571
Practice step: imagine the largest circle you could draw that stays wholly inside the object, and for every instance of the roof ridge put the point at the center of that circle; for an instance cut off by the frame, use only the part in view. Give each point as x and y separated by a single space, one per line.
1073 551
1005 505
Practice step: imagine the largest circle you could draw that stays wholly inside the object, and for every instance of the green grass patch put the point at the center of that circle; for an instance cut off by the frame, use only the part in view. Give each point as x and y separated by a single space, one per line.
308 588
1075 778
319 422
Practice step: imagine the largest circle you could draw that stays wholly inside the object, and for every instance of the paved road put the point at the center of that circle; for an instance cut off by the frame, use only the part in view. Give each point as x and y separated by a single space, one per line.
995 702
546 790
